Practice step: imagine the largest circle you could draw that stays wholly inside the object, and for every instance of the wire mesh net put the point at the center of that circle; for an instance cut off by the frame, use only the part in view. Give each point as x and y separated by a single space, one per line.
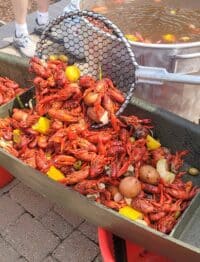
92 42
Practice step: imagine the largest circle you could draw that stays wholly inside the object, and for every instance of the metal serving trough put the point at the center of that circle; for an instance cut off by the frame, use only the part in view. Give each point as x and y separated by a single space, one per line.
183 244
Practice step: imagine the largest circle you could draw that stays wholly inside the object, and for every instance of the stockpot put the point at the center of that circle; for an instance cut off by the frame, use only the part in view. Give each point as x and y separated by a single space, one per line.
178 58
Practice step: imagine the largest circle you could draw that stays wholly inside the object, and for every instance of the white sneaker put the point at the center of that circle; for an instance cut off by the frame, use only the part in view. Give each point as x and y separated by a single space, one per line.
39 28
74 5
25 45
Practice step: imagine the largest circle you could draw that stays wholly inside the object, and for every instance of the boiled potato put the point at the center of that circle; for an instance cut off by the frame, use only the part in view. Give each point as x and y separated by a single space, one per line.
130 187
149 174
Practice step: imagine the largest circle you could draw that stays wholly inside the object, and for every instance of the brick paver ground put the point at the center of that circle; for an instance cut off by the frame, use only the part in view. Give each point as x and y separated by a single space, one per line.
32 229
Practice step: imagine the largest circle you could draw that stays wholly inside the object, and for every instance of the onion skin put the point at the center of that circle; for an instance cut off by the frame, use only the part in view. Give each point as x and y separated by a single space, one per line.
149 175
130 187
117 197
93 115
163 170
90 98
101 117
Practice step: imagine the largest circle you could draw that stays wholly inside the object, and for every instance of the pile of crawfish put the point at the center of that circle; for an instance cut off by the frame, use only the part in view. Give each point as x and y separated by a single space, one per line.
8 90
95 162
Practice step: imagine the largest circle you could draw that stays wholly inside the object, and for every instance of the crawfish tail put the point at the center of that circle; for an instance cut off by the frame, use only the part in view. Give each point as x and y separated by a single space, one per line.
76 177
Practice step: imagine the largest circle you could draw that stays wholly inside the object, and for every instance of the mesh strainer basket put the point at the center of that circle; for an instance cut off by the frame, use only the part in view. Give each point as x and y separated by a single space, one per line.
92 41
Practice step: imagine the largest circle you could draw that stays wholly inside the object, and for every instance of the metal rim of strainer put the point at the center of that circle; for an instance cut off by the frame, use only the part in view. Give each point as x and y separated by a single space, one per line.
116 32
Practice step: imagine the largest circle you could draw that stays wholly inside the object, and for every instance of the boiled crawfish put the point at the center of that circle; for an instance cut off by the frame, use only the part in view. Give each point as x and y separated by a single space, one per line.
76 176
9 89
93 162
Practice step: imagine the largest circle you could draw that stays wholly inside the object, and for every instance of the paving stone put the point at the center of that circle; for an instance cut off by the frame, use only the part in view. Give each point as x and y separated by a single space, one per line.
7 253
98 258
9 212
22 259
33 202
68 216
89 230
30 238
57 224
76 248
49 259
9 186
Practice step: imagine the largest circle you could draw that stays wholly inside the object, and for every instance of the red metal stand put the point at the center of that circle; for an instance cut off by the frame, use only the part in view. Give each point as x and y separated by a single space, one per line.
134 253
5 177
106 245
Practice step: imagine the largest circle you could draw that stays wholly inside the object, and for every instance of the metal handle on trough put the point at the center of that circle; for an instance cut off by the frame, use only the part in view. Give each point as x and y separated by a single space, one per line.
155 75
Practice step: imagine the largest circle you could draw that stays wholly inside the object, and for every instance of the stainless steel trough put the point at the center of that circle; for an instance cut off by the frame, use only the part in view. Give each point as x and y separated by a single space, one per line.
173 131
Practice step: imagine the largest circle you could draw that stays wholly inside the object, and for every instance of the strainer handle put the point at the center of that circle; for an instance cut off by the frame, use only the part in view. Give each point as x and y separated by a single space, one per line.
157 76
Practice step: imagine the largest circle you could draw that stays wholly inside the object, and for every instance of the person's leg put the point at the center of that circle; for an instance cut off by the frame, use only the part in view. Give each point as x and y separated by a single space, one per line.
43 5
21 39
20 12
42 13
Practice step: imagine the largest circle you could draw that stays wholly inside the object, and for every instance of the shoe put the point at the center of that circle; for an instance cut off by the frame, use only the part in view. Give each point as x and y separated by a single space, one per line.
25 45
39 28
74 5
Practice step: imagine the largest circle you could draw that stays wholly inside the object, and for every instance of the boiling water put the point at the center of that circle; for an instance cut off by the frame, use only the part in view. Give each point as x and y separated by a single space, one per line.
152 21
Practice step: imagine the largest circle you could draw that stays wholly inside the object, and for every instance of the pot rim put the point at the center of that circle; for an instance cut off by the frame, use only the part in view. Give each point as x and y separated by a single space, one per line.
164 46
77 3
140 44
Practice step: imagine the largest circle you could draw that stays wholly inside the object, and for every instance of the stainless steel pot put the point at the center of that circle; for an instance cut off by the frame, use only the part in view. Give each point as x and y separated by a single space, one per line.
180 58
